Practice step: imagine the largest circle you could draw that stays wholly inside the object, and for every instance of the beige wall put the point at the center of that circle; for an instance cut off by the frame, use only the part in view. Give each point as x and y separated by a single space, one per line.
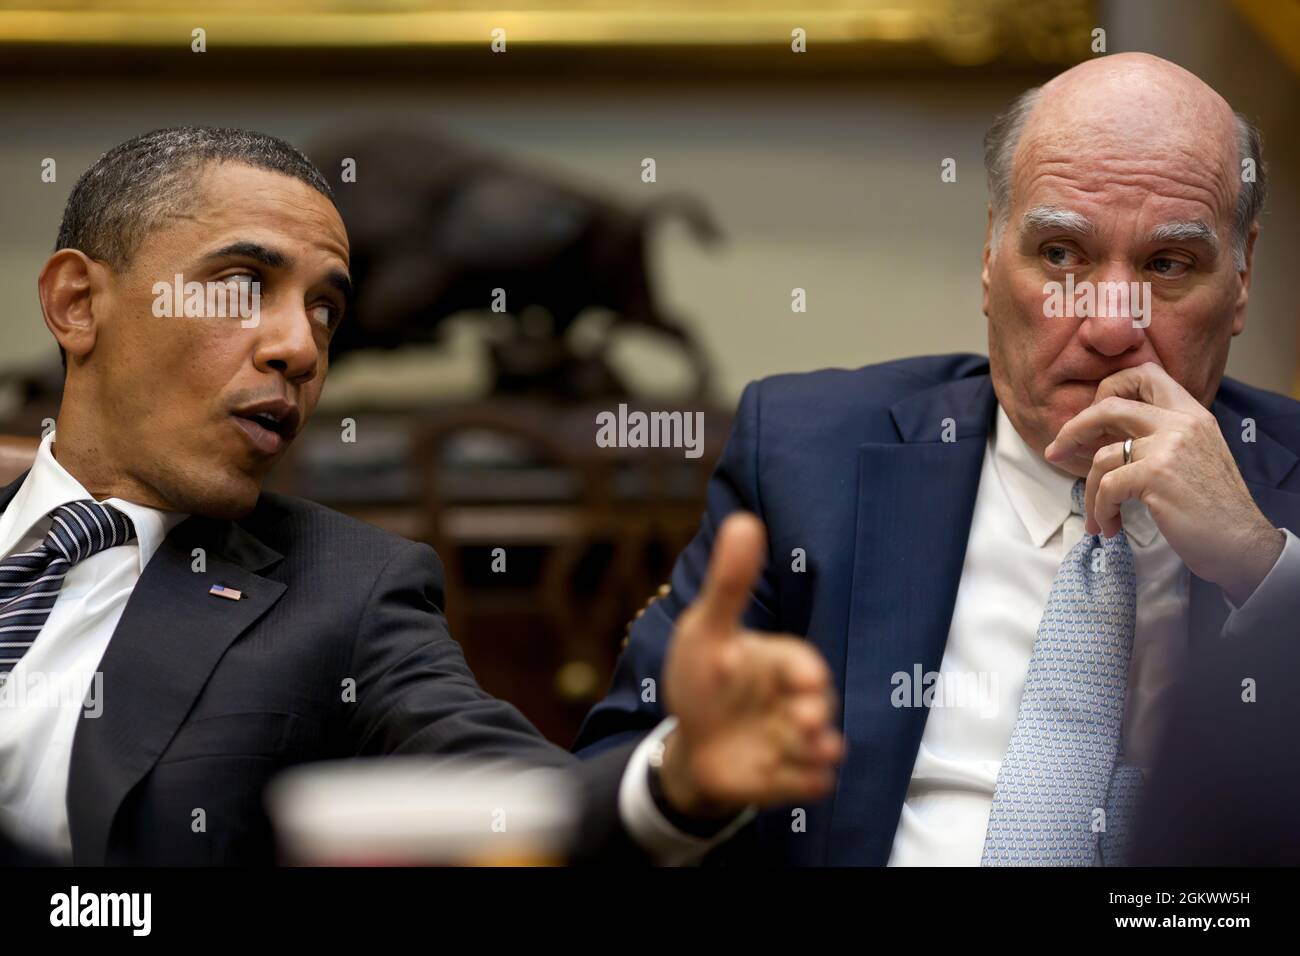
834 188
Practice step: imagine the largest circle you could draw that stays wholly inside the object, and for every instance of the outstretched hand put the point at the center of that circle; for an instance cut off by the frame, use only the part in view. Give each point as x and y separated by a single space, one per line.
756 711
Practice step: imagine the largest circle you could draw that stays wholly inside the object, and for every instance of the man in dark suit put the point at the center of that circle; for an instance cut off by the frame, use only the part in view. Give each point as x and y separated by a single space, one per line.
171 638
1009 562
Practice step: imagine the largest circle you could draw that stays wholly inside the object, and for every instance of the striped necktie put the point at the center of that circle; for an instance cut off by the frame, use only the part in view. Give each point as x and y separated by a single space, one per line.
30 581
1061 777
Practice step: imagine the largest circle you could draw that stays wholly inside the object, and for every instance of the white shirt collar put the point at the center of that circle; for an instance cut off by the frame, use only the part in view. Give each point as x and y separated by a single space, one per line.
48 485
1040 492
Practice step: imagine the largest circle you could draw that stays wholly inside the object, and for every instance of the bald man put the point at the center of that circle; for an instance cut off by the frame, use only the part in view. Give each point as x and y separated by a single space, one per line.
1008 562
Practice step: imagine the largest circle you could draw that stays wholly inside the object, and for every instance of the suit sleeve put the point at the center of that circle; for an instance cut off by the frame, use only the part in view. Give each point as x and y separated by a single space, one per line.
414 691
1275 606
633 705
415 694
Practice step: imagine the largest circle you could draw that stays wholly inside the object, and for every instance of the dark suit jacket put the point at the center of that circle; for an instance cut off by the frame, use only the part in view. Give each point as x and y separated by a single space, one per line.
850 466
206 698
1226 788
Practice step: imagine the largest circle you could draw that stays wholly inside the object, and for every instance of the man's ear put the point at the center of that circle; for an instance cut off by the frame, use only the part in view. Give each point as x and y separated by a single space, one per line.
988 256
1243 276
68 287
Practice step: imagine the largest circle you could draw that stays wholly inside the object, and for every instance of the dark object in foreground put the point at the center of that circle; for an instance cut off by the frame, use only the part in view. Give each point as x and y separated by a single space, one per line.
1226 788
16 854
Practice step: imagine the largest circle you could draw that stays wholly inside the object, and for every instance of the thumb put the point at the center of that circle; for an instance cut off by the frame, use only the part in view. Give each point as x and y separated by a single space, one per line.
739 553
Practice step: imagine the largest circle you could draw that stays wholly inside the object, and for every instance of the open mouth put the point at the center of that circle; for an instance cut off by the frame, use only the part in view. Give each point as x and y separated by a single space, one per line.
269 428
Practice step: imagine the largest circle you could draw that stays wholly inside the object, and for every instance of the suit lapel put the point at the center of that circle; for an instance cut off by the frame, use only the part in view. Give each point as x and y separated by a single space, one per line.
916 498
170 637
1264 464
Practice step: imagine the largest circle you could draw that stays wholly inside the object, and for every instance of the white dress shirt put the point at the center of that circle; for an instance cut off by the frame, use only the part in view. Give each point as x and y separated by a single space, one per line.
55 678
1021 531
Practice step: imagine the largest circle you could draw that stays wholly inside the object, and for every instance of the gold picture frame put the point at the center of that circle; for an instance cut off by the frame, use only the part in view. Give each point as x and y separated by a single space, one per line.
863 33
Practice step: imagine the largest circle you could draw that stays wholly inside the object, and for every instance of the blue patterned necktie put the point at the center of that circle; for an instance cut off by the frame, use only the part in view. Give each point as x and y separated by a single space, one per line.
1061 767
30 581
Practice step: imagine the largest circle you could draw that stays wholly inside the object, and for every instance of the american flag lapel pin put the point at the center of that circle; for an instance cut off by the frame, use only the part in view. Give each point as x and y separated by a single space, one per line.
222 591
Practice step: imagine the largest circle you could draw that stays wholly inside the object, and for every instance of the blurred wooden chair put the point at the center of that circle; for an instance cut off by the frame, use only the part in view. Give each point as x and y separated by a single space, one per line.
17 453
564 530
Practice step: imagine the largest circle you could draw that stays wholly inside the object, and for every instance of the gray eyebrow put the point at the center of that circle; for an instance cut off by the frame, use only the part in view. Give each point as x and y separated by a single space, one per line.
1193 230
1054 217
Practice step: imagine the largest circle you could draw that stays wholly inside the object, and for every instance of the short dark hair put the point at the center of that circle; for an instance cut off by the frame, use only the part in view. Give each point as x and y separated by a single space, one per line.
135 185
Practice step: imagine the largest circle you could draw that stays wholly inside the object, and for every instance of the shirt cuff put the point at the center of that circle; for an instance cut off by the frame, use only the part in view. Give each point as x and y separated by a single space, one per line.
1276 600
666 844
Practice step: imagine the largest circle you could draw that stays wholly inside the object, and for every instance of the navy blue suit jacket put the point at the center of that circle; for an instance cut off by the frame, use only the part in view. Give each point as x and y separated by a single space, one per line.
851 467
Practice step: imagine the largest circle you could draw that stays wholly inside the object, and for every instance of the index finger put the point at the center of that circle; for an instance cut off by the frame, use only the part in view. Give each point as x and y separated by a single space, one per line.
1148 383
1101 424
